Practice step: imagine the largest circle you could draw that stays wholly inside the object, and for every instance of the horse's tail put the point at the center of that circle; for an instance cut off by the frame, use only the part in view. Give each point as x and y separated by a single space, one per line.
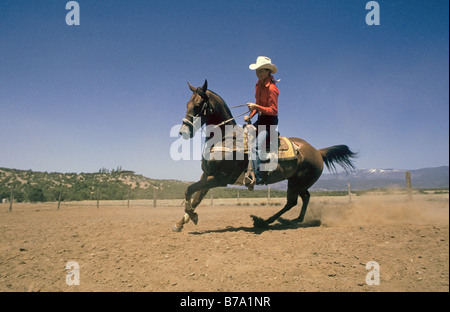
339 154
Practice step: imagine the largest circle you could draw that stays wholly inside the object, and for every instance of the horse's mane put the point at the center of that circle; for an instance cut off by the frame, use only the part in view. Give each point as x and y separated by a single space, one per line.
224 104
218 96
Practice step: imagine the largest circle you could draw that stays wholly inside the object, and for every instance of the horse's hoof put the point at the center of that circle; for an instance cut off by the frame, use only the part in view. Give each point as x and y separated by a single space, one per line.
287 222
194 218
177 228
259 223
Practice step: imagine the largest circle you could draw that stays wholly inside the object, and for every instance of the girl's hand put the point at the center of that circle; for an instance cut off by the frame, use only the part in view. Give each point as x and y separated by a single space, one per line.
252 106
246 118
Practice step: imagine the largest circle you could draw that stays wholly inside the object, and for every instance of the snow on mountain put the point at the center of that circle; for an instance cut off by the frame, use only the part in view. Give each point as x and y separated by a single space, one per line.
437 177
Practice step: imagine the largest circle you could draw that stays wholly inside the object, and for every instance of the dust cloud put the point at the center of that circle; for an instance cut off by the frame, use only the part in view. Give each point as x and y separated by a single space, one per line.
384 210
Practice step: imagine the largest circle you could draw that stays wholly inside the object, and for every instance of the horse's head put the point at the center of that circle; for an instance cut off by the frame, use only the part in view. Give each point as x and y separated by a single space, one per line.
196 113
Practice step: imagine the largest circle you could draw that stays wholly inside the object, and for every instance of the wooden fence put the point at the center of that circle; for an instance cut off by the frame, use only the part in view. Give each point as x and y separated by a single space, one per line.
156 200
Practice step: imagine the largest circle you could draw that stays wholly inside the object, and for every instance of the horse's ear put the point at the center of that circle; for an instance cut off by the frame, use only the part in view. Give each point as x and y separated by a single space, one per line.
191 87
205 86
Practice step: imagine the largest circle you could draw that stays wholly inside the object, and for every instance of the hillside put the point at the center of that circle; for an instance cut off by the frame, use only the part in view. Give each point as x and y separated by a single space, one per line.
33 186
43 186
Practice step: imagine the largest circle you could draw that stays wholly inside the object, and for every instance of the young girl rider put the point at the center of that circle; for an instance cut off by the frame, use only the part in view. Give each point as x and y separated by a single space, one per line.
266 106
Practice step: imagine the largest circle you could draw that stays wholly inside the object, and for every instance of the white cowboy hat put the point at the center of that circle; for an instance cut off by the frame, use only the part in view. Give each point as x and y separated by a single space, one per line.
264 62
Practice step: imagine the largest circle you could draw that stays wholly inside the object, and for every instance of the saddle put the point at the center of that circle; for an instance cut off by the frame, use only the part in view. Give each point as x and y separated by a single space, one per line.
287 150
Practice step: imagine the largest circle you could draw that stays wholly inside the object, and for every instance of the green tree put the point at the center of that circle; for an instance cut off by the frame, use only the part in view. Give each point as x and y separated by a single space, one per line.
36 195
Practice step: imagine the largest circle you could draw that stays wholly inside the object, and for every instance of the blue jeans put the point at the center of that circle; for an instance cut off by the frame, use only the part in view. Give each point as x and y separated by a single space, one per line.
256 161
258 149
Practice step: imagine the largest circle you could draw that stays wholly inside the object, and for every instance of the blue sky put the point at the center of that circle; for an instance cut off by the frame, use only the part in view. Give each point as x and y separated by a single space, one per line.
107 92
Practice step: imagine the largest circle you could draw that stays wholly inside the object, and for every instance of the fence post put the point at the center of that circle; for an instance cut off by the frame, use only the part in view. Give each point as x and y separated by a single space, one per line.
212 203
349 191
11 199
409 185
268 194
59 198
154 197
98 197
128 199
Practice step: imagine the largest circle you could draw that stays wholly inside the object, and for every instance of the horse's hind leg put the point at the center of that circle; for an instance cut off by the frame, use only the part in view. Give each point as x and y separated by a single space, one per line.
292 199
305 197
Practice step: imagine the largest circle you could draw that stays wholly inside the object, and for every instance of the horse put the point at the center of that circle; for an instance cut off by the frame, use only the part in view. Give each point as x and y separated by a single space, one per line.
209 109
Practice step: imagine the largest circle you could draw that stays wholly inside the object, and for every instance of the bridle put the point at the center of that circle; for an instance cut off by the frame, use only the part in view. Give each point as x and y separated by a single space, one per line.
206 108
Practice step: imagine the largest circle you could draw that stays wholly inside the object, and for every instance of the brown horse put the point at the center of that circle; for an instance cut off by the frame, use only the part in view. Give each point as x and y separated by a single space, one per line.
207 108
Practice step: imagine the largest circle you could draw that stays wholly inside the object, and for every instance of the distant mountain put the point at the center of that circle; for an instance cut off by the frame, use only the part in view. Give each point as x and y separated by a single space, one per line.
437 177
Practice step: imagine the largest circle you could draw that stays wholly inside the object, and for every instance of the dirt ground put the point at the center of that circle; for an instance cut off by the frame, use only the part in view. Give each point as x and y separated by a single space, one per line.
133 249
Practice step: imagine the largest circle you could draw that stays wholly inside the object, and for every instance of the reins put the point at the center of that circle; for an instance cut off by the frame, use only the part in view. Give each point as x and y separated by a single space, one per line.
238 106
232 118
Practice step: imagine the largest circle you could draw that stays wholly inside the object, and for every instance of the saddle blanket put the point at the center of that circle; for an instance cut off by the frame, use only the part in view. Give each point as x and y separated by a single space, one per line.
287 150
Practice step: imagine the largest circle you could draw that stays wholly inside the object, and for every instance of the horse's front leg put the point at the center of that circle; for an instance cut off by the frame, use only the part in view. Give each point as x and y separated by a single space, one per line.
190 207
200 191
198 197
201 187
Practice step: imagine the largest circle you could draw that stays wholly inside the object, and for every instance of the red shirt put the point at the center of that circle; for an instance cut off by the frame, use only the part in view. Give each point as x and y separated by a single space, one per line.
266 95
